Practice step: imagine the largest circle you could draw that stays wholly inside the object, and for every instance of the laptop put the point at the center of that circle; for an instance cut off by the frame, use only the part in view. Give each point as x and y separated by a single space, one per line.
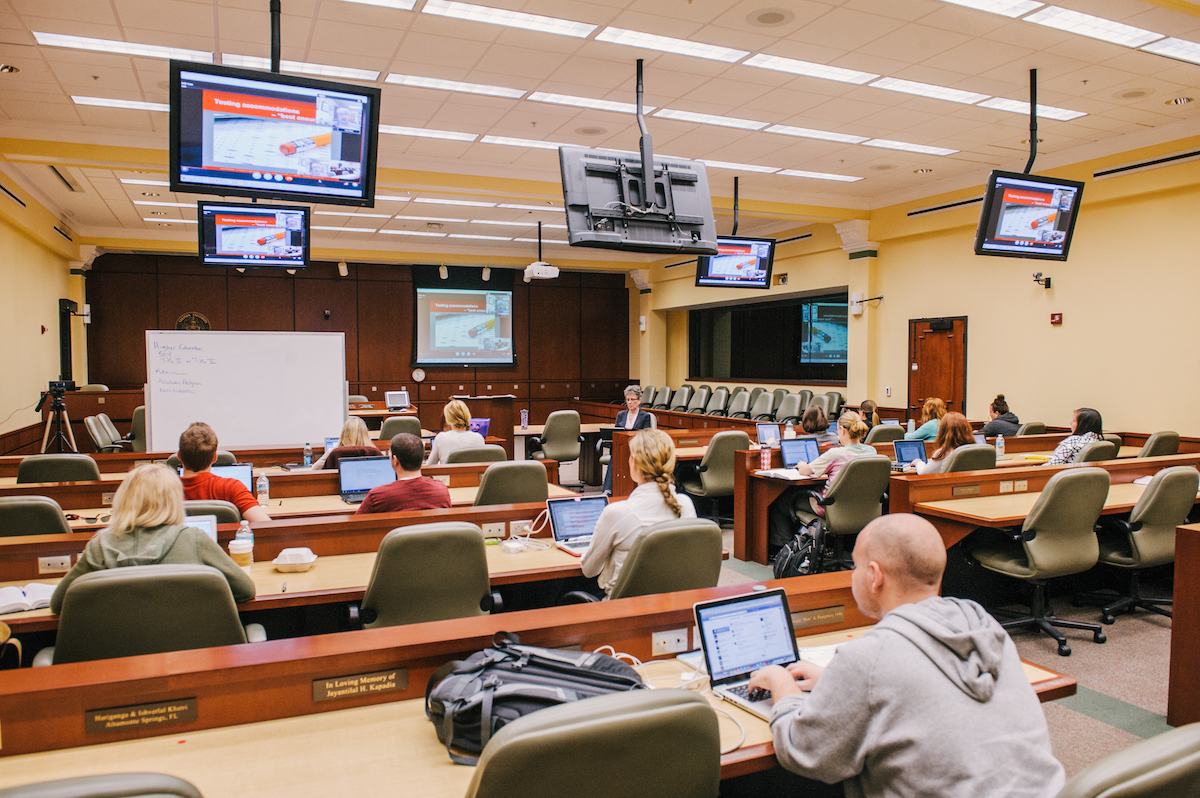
798 450
480 425
906 452
980 437
395 400
572 521
242 472
891 422
768 435
331 443
357 475
205 523
741 634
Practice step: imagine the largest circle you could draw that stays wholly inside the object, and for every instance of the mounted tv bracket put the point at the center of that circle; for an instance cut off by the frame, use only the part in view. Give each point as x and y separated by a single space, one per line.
1032 120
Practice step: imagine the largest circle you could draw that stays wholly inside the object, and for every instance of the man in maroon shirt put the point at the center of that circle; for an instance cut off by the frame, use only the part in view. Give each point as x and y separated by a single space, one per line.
410 491
198 452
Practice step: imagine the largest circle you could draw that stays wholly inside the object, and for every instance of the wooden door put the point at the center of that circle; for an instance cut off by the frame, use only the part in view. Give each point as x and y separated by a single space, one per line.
937 363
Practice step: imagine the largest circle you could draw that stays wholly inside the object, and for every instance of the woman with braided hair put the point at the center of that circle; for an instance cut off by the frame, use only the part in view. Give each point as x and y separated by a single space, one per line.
651 466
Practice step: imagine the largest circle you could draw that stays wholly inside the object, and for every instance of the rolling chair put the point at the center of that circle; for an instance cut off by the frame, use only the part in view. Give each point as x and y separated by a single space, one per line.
885 433
394 425
736 390
1167 764
762 408
754 394
513 482
647 396
661 742
223 458
357 398
699 400
713 478
790 409
679 402
805 398
146 609
835 403
663 400
854 498
31 515
821 401
739 406
57 468
137 430
1058 538
102 441
109 785
560 439
478 454
111 428
1096 452
971 457
716 405
1032 428
1160 444
226 512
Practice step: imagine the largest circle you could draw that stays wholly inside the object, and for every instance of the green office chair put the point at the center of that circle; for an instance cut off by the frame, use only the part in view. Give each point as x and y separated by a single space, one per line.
716 405
885 433
57 468
1114 439
663 400
1160 444
679 402
835 403
109 785
490 453
226 512
739 406
971 457
137 430
853 498
560 439
146 609
790 409
699 400
31 515
761 408
1096 452
1032 428
1057 539
101 440
357 399
625 745
394 425
513 482
428 572
713 478
223 458
805 398
1165 765
821 401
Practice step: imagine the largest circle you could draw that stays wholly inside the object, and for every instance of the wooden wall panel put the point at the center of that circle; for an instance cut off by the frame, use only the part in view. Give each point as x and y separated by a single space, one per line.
554 333
314 297
520 311
604 333
200 293
385 328
124 306
261 301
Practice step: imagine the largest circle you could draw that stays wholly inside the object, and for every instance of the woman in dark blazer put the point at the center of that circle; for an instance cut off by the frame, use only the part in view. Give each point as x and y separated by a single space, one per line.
640 420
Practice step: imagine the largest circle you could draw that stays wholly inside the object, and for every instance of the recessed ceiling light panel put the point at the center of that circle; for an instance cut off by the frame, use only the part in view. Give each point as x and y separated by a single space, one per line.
739 167
710 119
1005 8
666 44
1095 27
416 81
121 48
424 133
820 176
808 133
929 90
586 102
510 19
129 105
888 144
1181 49
808 68
300 67
1020 107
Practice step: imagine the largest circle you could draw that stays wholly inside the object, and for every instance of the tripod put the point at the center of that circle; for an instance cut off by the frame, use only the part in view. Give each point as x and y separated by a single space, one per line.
59 419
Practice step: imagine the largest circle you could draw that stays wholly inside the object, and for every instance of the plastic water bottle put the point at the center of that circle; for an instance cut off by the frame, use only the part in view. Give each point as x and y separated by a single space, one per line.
308 455
524 419
245 533
999 446
912 425
264 490
789 431
764 455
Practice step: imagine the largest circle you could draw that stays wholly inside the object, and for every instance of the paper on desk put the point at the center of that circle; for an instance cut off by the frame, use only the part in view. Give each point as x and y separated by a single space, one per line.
790 474
818 655
1143 480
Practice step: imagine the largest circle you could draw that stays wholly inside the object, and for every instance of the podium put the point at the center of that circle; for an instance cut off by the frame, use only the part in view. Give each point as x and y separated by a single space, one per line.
500 410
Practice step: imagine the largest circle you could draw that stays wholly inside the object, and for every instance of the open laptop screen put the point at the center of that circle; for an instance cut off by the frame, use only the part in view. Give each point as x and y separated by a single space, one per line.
205 523
768 433
360 474
572 518
798 450
242 472
331 443
980 437
907 451
480 425
744 633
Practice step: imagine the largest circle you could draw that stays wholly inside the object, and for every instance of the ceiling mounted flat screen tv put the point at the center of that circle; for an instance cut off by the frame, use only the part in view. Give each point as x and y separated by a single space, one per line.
1028 216
248 133
241 235
740 262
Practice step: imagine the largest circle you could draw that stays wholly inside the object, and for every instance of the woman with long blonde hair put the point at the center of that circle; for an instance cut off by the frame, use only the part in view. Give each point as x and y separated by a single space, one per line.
355 441
457 434
931 416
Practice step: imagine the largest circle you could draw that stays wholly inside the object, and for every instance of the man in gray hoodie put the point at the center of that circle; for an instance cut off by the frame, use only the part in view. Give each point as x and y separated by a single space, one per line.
932 701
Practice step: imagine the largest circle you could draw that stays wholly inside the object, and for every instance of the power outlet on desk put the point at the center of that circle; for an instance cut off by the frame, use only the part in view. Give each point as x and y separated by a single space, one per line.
1022 485
495 530
520 527
106 499
1006 487
673 641
54 565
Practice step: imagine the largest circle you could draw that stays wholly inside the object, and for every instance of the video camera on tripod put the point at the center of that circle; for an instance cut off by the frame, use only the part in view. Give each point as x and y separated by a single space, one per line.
57 417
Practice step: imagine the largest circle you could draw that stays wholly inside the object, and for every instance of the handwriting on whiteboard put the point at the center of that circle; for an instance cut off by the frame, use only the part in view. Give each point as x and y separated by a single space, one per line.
172 380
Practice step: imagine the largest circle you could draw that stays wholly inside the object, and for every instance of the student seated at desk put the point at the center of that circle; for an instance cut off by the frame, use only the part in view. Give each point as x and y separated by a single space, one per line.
411 490
457 435
814 424
954 431
355 441
931 414
198 452
869 416
932 701
148 527
1086 427
1004 421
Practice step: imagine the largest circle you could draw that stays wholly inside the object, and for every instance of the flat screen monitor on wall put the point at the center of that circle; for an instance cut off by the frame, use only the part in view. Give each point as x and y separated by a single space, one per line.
248 133
240 235
740 262
464 327
823 334
1028 216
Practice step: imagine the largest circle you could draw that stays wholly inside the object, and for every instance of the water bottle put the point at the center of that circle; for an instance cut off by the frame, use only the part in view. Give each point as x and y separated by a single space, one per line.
264 490
764 455
912 425
245 533
999 446
524 419
308 455
789 431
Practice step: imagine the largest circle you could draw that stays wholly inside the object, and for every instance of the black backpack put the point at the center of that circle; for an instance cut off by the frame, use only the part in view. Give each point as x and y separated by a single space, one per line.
804 554
470 700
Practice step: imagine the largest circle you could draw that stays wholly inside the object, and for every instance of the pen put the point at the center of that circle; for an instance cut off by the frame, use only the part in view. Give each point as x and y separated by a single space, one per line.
284 588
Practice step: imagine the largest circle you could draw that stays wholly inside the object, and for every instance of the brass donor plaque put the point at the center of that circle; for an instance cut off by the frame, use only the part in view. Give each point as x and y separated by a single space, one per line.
825 615
140 716
360 684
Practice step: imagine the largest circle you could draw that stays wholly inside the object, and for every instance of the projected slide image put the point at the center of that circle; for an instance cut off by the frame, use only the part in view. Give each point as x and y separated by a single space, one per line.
465 331
270 144
739 266
238 240
1025 221
827 339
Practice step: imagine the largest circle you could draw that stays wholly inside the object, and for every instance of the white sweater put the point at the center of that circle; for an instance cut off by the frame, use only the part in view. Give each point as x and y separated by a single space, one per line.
451 441
618 528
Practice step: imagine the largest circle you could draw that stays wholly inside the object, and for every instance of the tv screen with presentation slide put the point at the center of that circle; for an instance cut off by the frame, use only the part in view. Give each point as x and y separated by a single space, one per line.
740 262
1028 216
242 235
464 327
248 133
823 336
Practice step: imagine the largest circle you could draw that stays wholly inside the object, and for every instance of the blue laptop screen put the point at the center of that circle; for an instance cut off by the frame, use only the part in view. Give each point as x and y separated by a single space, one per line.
571 518
480 425
907 451
768 433
798 450
331 443
359 474
742 636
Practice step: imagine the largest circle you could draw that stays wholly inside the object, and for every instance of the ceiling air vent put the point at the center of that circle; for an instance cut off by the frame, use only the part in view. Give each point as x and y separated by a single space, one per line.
1150 163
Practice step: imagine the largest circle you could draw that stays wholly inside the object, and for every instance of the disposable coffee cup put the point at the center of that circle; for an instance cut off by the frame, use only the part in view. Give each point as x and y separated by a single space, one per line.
242 552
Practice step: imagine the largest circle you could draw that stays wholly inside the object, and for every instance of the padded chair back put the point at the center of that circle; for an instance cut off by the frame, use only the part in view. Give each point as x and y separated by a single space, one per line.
478 454
681 398
885 433
821 401
716 469
138 429
226 512
739 406
971 457
560 436
1032 428
223 458
699 399
1168 764
146 609
394 425
109 785
683 554
762 407
855 494
1062 523
663 401
1160 444
716 405
109 426
1114 439
754 394
1096 451
94 386
1164 505
428 572
835 403
31 515
57 468
635 743
512 483
647 396
790 408
357 398
101 440
805 398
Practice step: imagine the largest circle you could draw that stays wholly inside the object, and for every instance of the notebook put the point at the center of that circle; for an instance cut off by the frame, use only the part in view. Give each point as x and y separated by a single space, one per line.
480 425
357 475
205 523
906 452
395 400
572 521
741 634
768 434
798 450
34 596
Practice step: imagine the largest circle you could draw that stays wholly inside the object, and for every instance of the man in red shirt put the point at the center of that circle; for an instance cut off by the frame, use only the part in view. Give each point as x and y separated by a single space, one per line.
410 491
198 452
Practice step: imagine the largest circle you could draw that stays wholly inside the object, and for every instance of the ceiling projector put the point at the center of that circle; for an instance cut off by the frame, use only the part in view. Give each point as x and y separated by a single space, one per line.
540 270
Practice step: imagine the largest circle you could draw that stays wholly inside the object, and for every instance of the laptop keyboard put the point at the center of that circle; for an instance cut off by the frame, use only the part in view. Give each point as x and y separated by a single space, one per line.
754 695
578 544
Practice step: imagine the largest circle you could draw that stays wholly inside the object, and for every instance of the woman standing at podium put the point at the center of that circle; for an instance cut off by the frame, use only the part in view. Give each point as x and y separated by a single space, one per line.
457 434
631 418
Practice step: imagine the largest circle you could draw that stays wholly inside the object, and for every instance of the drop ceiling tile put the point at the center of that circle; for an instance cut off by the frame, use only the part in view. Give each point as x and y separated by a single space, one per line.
542 42
969 21
803 14
376 61
587 75
509 63
350 38
238 24
847 29
146 15
1035 37
841 110
977 56
455 28
1163 20
917 43
678 27
376 16
470 116
97 81
1097 76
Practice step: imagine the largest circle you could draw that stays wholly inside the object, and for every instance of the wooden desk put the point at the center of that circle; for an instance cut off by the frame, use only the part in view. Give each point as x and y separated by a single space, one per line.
1183 684
690 444
752 497
590 470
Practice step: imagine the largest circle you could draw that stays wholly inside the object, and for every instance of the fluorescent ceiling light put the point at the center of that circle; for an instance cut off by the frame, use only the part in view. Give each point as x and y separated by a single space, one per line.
482 238
711 119
345 229
166 204
666 44
129 105
1095 27
1021 107
780 64
173 221
430 219
1176 48
424 133
901 145
391 198
929 90
136 182
468 203
587 102
506 224
121 48
739 167
412 233
419 82
808 133
509 19
300 67
512 206
1005 8
350 213
544 240
402 5
554 226
819 175
511 142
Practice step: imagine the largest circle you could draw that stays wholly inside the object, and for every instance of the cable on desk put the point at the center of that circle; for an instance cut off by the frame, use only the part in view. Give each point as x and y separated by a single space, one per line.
741 729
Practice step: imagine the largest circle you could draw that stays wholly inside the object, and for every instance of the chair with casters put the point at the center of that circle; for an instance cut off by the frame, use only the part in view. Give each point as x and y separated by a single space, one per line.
624 741
146 609
885 433
31 515
805 398
1032 428
699 400
513 482
137 430
663 400
357 399
57 468
717 404
739 406
679 402
761 409
854 498
226 512
394 425
713 478
835 403
560 439
1096 452
101 440
223 458
108 785
789 409
428 572
971 457
1058 538
94 386
1165 765
821 401
478 454
113 432
1114 439
1160 444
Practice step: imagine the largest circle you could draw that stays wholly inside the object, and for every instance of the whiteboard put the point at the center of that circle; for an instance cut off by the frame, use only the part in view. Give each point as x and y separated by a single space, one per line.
255 389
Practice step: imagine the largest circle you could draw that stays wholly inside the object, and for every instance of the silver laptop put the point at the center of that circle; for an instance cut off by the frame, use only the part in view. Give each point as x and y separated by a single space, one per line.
980 437
205 523
573 520
741 634
798 450
906 452
357 475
